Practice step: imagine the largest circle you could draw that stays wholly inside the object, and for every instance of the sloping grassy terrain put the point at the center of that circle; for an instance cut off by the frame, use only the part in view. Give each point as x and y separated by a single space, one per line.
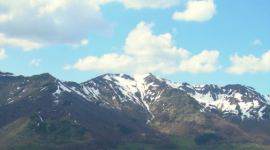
188 143
38 134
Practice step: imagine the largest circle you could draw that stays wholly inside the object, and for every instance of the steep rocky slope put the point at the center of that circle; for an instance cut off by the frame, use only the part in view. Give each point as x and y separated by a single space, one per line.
116 108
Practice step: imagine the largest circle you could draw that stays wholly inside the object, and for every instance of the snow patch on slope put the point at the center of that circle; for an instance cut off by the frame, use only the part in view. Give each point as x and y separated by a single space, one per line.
173 84
267 99
242 100
90 91
61 88
127 86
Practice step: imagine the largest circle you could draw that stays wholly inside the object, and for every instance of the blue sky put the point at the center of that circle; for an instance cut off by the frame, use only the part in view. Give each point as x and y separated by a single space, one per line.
220 42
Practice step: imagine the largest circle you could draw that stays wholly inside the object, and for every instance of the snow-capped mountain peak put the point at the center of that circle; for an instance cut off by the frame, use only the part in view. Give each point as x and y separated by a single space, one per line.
121 91
231 100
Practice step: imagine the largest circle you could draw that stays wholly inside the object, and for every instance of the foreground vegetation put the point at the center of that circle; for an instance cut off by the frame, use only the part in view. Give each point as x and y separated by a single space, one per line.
187 143
67 134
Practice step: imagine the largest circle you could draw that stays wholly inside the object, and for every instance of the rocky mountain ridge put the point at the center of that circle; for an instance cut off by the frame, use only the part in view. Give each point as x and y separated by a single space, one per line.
120 90
111 108
232 100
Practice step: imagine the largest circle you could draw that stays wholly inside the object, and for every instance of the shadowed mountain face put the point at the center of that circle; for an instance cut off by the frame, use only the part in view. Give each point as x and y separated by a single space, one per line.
117 111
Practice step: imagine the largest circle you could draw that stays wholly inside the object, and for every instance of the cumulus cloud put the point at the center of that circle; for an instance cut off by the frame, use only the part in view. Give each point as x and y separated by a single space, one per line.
197 10
35 62
46 22
249 64
84 42
5 17
26 45
206 61
139 4
257 42
51 21
108 62
146 52
141 42
2 54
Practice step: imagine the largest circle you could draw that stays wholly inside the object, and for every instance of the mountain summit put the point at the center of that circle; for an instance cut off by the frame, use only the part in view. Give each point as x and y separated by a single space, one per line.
103 112
239 101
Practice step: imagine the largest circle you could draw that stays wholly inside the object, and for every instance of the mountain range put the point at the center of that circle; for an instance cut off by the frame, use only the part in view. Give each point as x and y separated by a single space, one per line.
121 112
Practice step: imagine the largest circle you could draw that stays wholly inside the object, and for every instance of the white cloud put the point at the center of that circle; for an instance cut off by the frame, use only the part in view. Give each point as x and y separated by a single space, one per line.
35 62
2 54
5 17
139 4
141 42
51 7
249 64
257 42
108 62
52 21
84 42
197 10
61 21
206 61
145 52
26 45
